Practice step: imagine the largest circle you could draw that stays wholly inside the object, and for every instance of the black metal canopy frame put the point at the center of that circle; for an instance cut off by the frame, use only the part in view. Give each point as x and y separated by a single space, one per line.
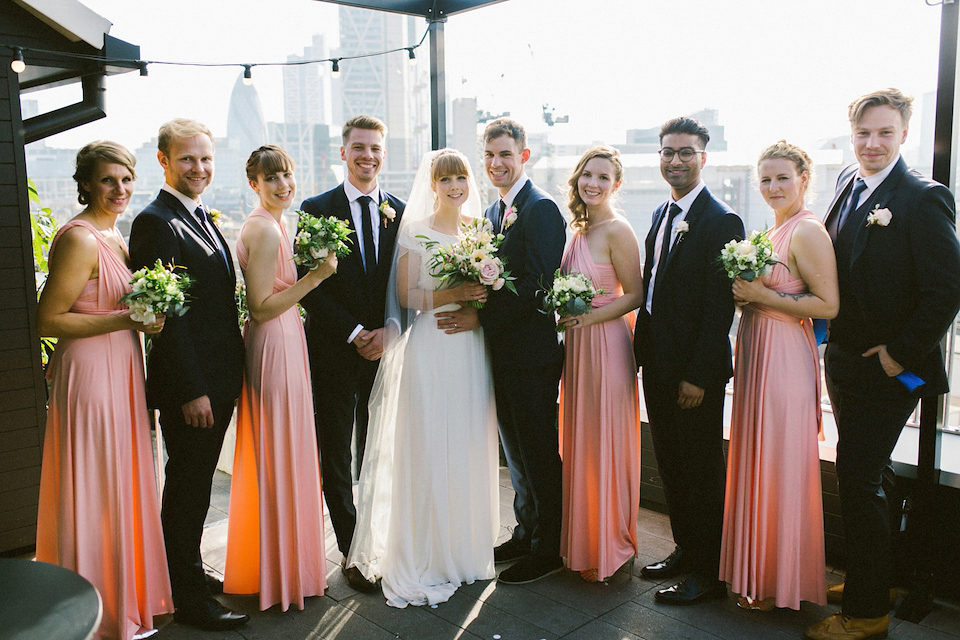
436 13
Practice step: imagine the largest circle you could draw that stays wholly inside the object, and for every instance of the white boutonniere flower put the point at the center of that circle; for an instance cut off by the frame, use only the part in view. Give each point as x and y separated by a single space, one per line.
216 216
387 213
681 228
880 217
510 218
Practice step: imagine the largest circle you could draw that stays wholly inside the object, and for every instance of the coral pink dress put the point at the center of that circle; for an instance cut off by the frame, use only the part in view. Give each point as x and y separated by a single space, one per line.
275 536
599 431
773 512
99 513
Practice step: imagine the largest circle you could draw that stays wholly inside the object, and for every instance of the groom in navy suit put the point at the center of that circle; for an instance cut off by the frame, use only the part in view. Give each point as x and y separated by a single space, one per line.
526 356
898 263
682 344
345 326
195 365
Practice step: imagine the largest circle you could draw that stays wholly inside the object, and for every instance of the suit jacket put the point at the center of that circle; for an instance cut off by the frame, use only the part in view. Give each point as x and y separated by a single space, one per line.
201 352
686 335
349 298
901 283
517 332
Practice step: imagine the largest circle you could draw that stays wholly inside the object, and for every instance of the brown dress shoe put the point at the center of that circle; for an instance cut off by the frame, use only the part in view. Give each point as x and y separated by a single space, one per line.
844 627
356 579
835 594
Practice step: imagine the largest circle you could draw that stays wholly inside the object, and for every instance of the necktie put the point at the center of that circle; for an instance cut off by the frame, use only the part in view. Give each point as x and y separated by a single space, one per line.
369 248
675 210
503 210
851 203
208 229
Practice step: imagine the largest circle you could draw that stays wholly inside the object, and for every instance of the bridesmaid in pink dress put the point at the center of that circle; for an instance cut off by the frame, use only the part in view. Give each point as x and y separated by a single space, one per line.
99 514
275 540
599 428
772 552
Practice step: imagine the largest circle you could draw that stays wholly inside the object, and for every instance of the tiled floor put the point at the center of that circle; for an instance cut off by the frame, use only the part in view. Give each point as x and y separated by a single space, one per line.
560 606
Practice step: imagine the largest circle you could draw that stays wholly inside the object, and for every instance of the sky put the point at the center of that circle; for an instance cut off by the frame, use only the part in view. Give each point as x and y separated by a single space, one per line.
773 69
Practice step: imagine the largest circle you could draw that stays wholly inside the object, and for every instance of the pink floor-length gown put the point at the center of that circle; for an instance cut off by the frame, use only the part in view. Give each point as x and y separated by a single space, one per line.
99 513
773 512
275 536
599 431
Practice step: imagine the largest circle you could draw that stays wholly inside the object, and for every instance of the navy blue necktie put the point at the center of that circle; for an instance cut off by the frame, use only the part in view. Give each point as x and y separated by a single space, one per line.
503 210
675 210
851 205
369 248
208 230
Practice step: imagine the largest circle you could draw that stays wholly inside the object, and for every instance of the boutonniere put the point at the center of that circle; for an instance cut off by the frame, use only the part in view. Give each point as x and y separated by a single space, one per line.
387 213
216 216
681 229
880 217
510 218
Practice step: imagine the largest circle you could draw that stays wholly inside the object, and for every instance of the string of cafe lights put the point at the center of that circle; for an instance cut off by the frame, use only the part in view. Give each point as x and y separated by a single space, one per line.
18 64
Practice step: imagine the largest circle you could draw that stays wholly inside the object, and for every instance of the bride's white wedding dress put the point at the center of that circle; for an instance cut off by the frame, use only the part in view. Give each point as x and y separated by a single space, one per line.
428 506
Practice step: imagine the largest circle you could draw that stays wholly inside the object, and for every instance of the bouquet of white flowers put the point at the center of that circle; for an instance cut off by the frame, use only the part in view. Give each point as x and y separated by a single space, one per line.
570 295
473 258
319 237
155 291
750 258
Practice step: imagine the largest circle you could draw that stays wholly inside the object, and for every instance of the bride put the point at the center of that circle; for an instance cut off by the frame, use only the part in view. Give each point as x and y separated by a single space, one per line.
428 508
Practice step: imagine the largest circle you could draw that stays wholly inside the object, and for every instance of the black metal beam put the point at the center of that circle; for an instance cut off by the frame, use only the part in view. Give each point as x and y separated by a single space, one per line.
423 8
438 86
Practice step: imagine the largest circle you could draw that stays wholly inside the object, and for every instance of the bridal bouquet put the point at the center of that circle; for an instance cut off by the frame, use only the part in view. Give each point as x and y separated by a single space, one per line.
750 258
155 291
473 258
570 295
319 237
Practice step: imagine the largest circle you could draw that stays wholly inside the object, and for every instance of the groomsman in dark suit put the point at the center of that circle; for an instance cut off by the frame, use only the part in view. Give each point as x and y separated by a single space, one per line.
682 344
345 326
195 366
526 357
898 264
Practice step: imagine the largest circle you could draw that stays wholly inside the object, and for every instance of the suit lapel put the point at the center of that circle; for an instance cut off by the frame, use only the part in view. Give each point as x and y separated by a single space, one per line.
650 244
491 215
191 221
879 198
839 197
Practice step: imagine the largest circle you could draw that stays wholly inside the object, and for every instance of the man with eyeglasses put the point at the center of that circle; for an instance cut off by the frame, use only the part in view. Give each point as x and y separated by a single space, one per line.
682 345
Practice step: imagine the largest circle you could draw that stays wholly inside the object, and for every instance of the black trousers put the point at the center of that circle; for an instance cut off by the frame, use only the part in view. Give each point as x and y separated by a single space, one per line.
688 444
527 413
192 455
871 410
341 391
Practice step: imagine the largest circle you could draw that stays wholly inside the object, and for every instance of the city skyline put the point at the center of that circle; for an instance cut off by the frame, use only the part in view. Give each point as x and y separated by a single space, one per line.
773 72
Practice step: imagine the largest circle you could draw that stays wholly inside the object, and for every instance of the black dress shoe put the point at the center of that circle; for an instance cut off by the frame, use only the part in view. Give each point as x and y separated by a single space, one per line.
530 569
673 565
510 550
356 580
214 584
210 615
693 590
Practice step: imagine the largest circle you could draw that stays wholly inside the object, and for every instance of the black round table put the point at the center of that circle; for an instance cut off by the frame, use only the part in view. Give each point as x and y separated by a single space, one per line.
40 600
